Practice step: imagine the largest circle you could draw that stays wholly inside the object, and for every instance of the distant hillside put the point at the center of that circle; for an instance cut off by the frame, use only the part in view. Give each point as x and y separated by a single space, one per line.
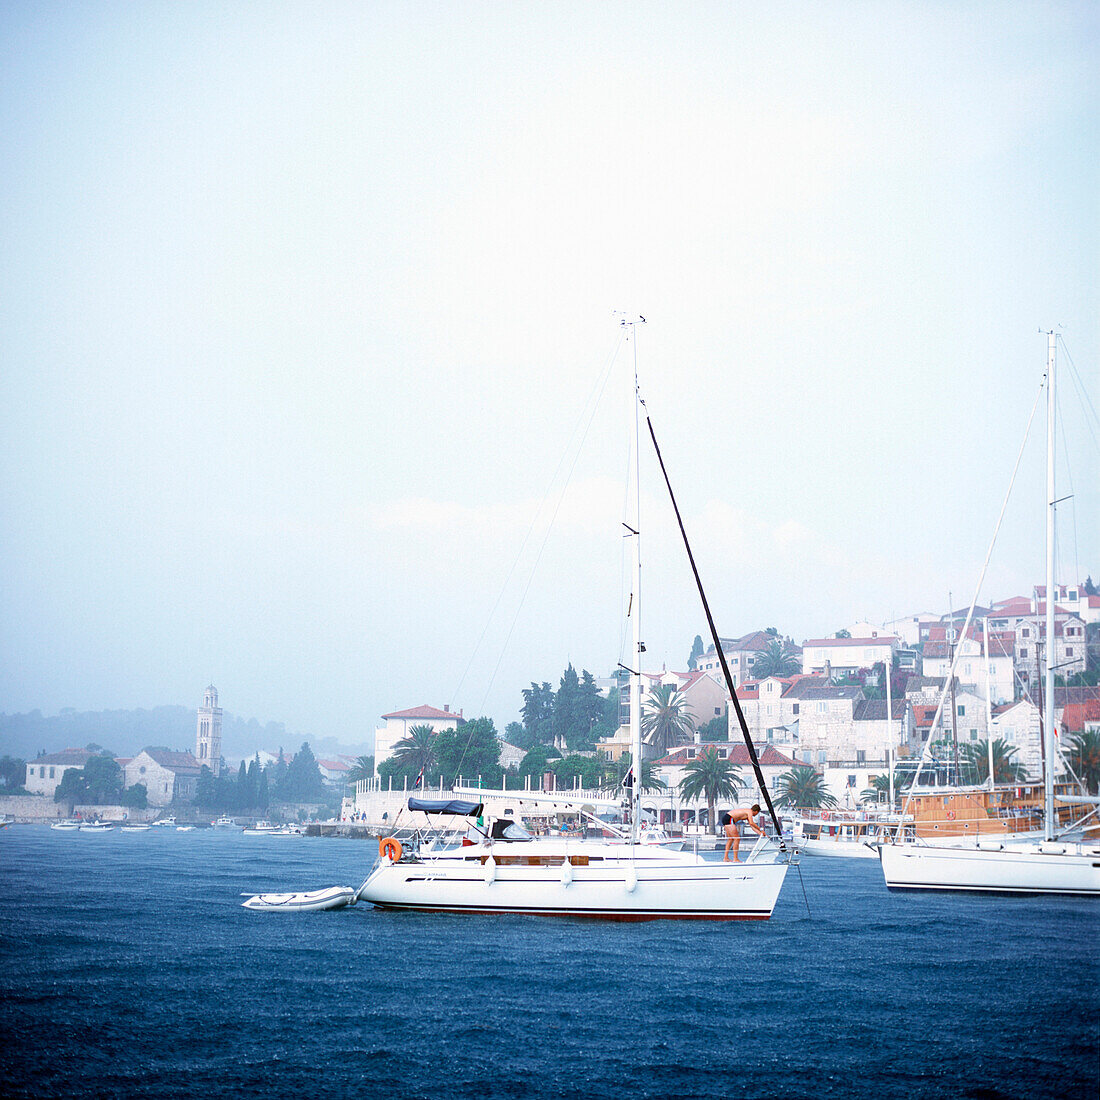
127 732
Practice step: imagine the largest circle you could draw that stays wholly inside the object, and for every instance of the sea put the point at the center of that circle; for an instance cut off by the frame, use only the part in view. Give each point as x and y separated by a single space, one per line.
129 969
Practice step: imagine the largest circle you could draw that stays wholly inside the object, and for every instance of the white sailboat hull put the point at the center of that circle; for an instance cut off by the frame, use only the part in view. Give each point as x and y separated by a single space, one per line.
842 849
1048 868
618 890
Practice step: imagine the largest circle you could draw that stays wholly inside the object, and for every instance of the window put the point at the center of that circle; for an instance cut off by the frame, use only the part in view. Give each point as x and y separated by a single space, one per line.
1069 651
973 735
717 712
51 773
1023 653
861 757
1025 633
795 709
962 710
821 707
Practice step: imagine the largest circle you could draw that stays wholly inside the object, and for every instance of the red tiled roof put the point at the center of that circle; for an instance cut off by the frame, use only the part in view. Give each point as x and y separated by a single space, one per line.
424 711
737 754
1076 715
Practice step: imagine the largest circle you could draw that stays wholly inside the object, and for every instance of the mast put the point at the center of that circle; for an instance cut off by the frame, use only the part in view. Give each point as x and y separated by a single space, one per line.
988 701
637 646
1052 504
890 729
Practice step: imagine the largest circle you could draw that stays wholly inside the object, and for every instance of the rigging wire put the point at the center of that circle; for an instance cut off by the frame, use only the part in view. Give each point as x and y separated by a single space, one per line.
589 408
925 752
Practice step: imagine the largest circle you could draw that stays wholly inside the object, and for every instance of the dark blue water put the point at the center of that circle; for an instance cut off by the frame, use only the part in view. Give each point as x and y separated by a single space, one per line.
128 969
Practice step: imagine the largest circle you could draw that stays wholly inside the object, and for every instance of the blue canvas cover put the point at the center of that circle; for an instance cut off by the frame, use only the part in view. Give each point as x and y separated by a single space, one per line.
446 806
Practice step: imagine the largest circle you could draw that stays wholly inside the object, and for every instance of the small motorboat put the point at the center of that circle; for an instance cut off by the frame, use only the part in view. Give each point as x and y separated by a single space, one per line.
185 828
289 830
334 897
136 827
97 826
261 828
164 823
70 825
225 823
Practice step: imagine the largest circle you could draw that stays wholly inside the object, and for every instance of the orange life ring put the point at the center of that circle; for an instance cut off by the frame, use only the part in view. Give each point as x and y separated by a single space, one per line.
825 816
950 815
390 847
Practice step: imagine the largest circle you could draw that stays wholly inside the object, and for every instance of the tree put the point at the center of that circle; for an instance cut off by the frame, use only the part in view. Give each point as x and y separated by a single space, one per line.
13 773
567 721
616 775
104 780
975 754
415 754
538 712
589 770
710 776
879 788
135 797
1090 588
1084 758
363 768
665 719
696 652
72 787
843 634
717 729
302 782
778 658
205 791
804 787
470 751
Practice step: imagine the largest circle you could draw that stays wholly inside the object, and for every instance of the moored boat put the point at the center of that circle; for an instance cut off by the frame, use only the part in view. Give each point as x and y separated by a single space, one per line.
164 823
852 834
69 825
97 826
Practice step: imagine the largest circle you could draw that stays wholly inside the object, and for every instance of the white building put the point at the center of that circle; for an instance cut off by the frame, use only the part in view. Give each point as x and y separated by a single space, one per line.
45 772
846 656
400 722
740 653
972 671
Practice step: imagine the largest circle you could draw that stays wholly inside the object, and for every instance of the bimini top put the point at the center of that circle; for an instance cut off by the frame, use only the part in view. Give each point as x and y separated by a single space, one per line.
446 806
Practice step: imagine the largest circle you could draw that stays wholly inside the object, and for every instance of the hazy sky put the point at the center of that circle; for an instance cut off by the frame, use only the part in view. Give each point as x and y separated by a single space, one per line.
305 307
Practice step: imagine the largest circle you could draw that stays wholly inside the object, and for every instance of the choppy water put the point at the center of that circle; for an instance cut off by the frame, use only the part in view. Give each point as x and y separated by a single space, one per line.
128 969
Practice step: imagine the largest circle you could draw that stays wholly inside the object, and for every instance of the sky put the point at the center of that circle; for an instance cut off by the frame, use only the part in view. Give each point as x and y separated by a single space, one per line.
311 378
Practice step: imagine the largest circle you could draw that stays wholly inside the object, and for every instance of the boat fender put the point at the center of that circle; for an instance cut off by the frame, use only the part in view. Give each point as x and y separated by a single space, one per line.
390 848
490 871
631 879
566 872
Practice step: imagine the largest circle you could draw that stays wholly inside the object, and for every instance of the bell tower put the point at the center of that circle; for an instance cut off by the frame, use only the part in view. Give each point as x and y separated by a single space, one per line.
208 738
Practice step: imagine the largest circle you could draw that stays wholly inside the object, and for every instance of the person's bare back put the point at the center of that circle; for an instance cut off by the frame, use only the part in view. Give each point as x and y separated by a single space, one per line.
733 830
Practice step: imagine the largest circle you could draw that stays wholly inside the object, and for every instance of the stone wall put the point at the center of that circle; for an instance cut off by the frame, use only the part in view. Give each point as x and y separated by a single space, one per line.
35 808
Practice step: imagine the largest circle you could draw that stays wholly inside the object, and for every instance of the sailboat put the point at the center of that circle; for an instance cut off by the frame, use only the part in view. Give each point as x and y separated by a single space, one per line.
1046 867
501 868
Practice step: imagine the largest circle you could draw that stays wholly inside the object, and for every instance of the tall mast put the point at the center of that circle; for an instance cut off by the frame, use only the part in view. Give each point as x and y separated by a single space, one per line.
1048 732
988 700
637 647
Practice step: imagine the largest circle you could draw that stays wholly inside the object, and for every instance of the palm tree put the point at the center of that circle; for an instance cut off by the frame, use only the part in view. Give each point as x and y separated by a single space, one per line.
805 787
779 659
416 752
665 721
711 776
1005 769
616 773
363 768
879 789
1084 758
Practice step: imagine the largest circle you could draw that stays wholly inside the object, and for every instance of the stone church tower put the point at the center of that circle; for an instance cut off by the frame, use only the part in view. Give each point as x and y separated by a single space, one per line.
208 739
